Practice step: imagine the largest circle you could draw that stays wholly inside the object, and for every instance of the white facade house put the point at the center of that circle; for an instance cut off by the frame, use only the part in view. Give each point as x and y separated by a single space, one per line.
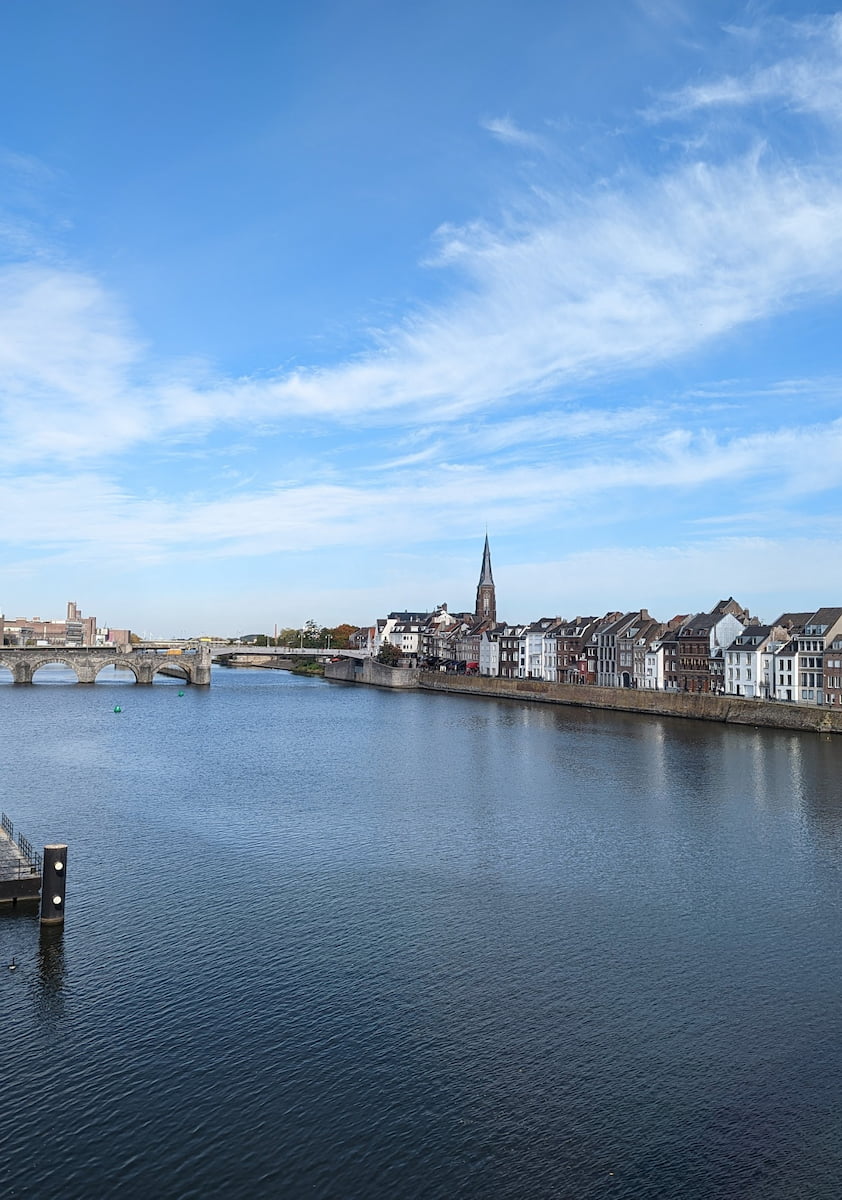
653 667
549 655
403 630
539 649
750 661
489 652
785 671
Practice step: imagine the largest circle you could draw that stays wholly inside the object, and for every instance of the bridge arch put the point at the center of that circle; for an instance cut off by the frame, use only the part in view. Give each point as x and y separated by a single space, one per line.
119 662
58 659
170 667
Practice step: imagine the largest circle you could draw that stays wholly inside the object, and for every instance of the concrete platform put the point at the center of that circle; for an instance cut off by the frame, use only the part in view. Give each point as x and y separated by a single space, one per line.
20 876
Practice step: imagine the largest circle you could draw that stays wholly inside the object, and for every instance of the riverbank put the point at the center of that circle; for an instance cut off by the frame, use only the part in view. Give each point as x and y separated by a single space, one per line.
730 710
297 666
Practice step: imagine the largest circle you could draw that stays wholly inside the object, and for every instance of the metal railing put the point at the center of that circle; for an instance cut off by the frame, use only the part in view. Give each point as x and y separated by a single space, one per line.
30 862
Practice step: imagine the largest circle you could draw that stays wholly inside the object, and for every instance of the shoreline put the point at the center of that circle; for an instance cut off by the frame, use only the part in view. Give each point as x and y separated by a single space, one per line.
266 662
729 710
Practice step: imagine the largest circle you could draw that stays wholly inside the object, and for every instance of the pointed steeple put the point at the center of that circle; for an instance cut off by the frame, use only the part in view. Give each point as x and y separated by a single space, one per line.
485 575
486 609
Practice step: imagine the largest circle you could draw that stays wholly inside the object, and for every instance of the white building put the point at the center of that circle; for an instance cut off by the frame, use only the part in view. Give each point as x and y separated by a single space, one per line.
653 666
538 649
489 651
750 661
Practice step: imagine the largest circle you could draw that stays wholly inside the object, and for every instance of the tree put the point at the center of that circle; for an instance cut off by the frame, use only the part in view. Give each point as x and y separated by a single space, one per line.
389 655
340 636
311 635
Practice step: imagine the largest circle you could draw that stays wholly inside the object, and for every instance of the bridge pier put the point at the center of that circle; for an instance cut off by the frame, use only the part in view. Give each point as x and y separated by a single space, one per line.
201 674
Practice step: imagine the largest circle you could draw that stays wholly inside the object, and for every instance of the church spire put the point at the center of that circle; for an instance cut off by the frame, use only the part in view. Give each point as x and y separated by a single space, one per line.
486 609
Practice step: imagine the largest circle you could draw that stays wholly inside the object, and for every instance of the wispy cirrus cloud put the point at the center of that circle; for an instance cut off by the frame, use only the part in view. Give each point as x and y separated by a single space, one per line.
90 514
636 276
808 82
506 130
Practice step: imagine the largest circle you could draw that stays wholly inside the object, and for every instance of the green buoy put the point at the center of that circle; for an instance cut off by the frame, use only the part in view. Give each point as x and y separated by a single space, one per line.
117 708
181 693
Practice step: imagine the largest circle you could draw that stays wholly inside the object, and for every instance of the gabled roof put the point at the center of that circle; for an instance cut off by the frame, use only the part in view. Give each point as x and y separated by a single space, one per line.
731 606
753 635
702 623
545 625
619 626
794 621
824 618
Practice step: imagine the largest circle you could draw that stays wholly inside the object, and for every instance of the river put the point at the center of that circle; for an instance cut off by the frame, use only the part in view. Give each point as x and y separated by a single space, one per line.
335 942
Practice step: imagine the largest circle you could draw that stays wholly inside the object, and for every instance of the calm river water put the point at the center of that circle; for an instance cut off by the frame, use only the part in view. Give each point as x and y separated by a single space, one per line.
333 942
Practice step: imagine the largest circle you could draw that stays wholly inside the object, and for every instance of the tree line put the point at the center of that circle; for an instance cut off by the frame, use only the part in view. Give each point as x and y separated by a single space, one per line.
335 637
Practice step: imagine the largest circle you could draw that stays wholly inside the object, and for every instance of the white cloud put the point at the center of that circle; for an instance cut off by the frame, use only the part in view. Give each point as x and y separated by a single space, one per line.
508 131
630 279
809 82
89 515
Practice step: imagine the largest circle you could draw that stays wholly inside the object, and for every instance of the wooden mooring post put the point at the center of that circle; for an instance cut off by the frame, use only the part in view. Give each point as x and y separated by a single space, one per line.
53 884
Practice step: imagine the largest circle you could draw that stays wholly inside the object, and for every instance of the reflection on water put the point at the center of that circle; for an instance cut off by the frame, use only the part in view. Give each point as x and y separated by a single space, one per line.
50 973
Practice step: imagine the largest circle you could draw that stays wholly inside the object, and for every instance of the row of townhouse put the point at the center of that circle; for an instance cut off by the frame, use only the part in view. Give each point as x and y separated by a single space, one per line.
799 658
726 651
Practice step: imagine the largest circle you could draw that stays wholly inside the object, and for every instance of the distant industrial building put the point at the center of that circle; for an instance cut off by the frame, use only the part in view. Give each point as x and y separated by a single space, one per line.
74 630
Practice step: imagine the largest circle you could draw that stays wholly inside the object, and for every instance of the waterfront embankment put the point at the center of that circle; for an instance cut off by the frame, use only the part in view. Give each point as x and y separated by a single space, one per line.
298 666
731 710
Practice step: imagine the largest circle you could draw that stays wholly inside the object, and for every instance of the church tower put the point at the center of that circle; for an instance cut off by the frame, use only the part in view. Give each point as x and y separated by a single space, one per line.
486 609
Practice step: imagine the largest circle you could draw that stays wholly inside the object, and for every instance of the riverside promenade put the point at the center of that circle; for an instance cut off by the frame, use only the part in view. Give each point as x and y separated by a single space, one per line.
730 710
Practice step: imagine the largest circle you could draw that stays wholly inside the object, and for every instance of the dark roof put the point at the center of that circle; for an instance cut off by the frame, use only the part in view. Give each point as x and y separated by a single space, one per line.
825 617
792 620
752 633
485 576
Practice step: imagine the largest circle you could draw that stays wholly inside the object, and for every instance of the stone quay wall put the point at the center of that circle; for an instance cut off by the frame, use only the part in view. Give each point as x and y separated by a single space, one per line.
366 670
731 710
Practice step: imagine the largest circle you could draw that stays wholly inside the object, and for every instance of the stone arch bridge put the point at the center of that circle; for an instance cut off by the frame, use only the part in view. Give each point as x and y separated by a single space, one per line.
193 664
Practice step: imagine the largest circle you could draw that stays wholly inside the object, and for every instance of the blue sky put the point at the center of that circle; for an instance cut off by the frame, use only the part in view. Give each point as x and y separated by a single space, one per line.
297 300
